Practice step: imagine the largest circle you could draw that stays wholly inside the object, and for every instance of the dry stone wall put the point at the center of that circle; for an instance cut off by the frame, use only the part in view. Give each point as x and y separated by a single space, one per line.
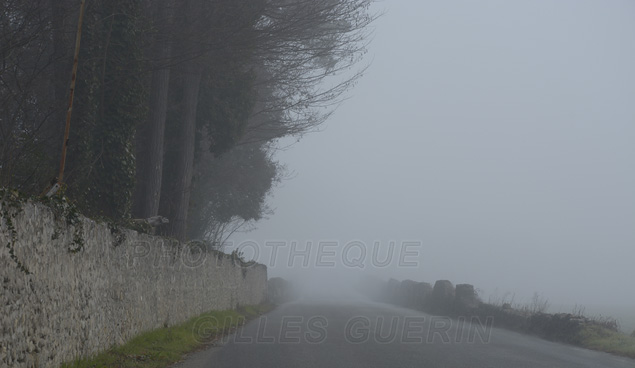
118 284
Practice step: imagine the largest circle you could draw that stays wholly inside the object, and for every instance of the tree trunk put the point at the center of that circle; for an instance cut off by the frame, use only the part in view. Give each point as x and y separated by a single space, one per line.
151 136
191 73
150 143
181 200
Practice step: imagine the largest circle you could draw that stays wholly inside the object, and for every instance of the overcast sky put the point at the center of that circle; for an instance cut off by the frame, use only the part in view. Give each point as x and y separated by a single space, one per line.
498 134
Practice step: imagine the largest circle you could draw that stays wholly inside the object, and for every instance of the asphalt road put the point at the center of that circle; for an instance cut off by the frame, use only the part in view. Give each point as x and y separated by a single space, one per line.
364 334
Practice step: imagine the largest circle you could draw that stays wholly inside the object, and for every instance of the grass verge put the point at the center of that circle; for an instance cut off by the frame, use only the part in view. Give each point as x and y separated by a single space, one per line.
165 346
603 339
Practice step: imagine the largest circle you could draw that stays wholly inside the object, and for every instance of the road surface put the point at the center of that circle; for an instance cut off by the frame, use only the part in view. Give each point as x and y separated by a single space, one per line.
365 334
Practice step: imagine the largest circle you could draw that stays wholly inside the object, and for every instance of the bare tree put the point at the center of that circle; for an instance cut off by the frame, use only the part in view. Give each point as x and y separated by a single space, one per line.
308 51
303 57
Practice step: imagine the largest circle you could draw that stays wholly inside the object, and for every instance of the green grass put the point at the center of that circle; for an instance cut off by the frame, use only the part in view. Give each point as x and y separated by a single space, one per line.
166 346
606 340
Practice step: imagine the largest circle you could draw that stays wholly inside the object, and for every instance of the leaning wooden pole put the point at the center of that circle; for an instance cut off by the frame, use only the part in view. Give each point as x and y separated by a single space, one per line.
69 112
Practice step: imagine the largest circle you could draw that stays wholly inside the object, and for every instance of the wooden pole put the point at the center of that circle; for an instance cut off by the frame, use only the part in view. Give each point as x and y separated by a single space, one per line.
60 177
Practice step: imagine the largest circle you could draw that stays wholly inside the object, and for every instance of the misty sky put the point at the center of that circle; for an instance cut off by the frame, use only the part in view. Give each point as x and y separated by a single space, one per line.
499 134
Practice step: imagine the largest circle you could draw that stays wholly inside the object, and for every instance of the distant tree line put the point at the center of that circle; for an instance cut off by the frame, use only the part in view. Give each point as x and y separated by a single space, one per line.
178 102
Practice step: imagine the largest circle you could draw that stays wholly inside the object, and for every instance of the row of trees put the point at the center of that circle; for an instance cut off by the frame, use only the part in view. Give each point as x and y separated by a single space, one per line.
178 102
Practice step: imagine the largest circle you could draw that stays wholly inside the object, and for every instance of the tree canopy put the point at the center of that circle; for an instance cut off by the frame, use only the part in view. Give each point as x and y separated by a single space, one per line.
178 103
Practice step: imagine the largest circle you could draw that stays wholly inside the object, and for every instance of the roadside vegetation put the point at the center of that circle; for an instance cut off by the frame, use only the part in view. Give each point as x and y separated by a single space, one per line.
530 317
165 346
601 338
576 328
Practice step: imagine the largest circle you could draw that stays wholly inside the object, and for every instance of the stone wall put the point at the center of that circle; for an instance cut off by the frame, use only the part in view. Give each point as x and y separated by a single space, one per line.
462 301
117 285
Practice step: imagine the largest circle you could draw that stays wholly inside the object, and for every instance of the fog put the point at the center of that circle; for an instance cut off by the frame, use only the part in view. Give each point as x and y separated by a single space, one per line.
497 135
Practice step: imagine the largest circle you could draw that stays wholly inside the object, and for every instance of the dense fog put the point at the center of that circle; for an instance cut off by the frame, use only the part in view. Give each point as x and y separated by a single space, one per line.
495 136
